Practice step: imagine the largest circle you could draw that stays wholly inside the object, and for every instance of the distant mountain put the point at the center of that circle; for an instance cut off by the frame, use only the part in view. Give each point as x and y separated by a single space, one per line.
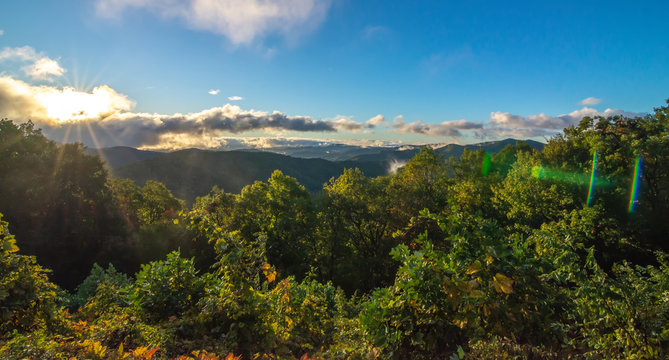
192 173
405 153
123 155
341 152
333 152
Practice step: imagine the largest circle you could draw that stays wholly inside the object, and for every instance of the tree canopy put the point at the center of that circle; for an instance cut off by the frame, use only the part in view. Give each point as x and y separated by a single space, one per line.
552 254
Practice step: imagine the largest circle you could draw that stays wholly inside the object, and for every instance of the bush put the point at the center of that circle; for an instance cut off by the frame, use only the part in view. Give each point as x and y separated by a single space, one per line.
28 300
303 316
166 288
99 277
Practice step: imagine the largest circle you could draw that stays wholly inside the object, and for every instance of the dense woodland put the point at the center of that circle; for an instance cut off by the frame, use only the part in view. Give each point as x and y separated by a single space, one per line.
487 256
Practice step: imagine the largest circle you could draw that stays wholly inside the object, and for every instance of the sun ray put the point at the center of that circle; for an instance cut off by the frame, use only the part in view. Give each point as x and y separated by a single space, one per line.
61 150
98 148
110 135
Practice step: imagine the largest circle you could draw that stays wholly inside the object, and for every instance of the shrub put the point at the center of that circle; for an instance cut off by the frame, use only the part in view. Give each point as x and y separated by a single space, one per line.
28 300
166 288
109 278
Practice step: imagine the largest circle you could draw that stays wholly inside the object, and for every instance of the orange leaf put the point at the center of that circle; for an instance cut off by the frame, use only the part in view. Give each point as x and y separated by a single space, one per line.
149 354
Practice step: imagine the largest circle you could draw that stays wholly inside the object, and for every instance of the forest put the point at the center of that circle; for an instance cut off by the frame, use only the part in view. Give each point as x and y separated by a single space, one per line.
560 253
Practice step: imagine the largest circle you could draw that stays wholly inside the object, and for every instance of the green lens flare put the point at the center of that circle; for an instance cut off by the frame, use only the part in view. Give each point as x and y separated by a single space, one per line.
592 177
541 172
635 185
485 167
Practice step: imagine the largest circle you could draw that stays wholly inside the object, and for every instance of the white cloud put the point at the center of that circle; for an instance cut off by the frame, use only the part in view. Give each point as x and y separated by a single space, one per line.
446 128
50 105
346 123
24 53
2 32
44 68
376 120
591 101
241 21
235 98
507 124
41 67
213 92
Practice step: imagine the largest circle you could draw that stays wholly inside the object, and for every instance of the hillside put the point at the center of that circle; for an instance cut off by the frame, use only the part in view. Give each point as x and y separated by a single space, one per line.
192 173
118 156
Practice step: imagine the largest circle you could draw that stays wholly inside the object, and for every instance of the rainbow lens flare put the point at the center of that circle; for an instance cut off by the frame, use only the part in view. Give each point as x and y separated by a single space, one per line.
592 177
635 185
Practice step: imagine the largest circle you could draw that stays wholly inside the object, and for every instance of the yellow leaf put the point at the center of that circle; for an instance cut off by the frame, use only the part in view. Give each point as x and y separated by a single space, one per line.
138 352
460 323
474 268
489 259
503 283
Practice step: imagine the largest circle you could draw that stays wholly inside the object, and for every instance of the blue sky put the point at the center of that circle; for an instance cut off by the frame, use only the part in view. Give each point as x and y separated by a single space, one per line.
436 71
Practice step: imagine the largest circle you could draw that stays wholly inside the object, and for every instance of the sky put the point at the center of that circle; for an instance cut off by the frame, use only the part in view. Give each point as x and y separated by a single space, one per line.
169 74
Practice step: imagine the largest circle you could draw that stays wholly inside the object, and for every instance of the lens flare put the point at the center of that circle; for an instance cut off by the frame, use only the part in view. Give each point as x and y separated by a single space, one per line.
635 185
592 177
485 167
541 172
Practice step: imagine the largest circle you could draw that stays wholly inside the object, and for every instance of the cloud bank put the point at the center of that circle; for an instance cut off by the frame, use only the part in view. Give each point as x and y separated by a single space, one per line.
507 124
107 114
445 129
241 21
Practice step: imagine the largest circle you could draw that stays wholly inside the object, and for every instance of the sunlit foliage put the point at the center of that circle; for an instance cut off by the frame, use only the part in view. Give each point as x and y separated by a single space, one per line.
519 254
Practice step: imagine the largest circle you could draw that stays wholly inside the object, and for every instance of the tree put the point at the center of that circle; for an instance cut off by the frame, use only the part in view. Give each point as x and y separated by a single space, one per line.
421 184
57 201
619 141
355 232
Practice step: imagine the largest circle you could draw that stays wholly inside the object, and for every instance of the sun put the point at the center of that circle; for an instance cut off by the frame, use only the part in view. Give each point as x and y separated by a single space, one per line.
71 105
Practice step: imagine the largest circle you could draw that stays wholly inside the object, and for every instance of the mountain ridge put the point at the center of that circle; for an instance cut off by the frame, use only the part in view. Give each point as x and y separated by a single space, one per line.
190 173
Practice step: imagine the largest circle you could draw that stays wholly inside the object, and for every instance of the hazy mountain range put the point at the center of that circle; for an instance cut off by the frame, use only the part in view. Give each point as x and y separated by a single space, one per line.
192 172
